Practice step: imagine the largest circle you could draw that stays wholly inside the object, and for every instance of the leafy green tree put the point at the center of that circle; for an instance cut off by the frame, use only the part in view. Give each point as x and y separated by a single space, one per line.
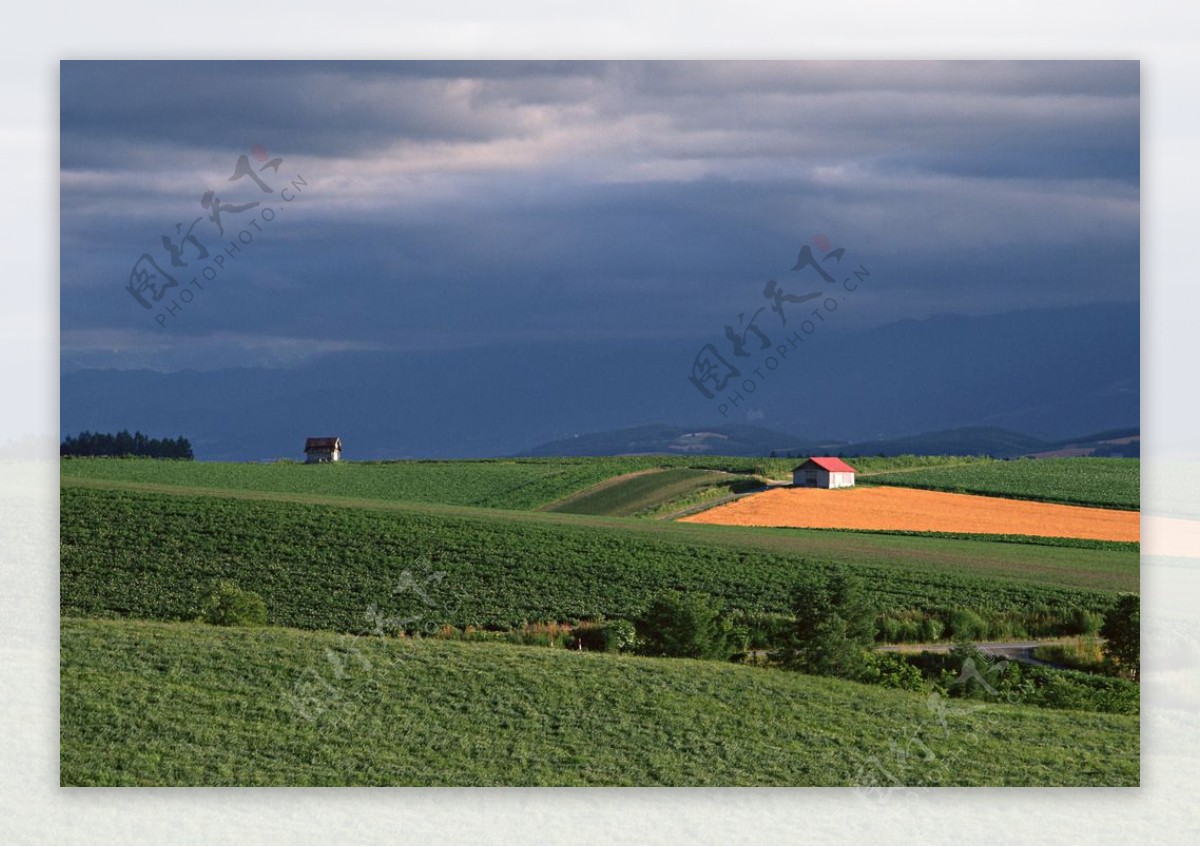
835 627
687 626
1122 636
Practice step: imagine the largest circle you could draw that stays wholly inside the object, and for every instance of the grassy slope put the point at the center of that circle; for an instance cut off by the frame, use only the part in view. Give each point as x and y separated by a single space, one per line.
647 491
494 483
173 704
320 565
512 484
1113 483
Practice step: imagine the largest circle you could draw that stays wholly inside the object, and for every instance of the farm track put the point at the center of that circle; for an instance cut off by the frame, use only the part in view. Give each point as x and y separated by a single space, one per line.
1017 651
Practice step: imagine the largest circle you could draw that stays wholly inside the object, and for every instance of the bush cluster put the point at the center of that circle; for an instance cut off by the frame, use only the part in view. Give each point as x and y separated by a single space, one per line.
229 605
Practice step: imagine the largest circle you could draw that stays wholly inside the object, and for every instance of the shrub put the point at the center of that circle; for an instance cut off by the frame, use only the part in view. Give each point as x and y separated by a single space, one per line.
229 605
1083 653
1057 689
968 672
932 629
892 670
966 624
615 636
763 630
977 674
1085 622
619 636
887 629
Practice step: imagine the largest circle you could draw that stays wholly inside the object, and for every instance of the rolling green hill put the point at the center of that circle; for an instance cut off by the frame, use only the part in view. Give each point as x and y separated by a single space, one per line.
654 492
488 483
556 483
499 483
186 704
134 550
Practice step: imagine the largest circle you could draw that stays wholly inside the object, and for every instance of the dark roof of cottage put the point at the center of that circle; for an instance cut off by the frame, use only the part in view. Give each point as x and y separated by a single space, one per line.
829 463
328 443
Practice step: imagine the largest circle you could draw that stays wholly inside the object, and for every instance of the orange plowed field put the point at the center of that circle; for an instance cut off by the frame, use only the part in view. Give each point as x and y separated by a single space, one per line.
890 507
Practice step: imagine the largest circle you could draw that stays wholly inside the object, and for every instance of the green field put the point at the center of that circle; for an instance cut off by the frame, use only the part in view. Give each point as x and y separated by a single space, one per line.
321 563
499 483
595 485
1111 483
345 554
655 492
187 704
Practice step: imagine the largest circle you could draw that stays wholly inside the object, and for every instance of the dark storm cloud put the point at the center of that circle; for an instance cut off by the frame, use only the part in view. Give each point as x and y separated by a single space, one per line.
458 203
731 110
109 109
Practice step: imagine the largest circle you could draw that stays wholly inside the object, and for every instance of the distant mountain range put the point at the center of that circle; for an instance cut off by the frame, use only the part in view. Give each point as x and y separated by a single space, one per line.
1048 373
745 440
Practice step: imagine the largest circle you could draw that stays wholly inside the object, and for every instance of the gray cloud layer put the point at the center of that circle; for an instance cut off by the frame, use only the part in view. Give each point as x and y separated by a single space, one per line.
451 204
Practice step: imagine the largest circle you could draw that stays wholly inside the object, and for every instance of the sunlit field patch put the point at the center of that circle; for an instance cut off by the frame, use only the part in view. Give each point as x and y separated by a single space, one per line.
908 509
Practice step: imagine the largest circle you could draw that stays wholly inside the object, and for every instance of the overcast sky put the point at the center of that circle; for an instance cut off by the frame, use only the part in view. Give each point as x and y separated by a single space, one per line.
445 205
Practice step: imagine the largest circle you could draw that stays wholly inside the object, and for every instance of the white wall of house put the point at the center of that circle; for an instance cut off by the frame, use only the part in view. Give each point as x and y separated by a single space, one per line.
820 478
841 480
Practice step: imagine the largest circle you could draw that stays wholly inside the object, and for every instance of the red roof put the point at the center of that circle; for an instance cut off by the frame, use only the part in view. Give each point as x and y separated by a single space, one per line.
830 463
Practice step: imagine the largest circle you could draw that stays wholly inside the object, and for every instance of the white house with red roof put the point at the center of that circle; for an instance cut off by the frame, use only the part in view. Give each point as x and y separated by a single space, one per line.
823 472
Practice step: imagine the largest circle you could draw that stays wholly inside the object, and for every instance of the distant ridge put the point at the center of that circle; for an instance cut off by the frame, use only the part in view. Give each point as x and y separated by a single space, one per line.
726 440
747 440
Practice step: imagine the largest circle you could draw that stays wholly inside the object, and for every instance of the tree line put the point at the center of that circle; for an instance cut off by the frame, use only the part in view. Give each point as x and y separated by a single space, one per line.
125 444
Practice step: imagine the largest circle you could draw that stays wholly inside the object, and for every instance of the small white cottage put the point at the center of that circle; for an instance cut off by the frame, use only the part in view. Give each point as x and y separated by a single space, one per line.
322 449
823 472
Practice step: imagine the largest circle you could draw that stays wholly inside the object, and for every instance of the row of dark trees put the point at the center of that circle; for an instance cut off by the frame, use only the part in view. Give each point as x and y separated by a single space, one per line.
834 633
125 444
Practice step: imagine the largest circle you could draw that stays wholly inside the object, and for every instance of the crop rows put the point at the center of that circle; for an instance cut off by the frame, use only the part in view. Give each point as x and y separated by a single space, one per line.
524 484
323 567
1112 483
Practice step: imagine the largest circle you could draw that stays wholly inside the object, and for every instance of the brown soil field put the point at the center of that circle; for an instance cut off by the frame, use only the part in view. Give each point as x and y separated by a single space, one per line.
895 508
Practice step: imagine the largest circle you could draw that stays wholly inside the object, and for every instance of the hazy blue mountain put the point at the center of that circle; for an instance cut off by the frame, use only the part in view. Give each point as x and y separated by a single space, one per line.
966 441
1050 374
720 440
743 440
